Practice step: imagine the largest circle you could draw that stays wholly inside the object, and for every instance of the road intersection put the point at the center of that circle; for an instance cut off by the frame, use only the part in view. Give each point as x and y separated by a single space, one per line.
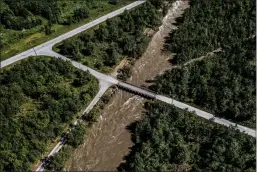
105 81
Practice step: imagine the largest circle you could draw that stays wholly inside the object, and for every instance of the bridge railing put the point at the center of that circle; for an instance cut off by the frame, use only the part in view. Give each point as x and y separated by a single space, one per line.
142 88
152 92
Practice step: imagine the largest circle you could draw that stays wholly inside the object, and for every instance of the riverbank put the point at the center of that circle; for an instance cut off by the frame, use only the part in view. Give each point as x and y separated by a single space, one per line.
108 141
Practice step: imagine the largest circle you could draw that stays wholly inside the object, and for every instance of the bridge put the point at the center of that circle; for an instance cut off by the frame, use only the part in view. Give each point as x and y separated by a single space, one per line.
136 90
108 81
105 81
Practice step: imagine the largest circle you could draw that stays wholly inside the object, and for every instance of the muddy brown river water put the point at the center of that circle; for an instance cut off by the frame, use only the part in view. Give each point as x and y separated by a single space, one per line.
108 140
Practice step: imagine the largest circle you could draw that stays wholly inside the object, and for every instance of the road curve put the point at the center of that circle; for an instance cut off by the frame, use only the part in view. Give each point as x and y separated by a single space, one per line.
106 81
51 43
101 77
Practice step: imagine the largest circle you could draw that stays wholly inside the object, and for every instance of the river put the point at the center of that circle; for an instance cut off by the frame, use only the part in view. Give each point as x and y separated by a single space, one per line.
108 140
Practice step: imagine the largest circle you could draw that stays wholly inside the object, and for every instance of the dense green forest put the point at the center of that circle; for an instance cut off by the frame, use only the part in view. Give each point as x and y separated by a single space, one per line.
220 84
57 162
18 15
224 83
120 36
209 25
39 98
74 139
77 135
170 139
31 21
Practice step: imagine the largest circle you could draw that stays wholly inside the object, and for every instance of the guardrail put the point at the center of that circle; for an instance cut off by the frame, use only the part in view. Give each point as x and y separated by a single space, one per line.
137 89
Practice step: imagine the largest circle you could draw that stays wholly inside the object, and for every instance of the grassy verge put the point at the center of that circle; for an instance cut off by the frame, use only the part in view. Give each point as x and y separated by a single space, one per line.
104 46
38 37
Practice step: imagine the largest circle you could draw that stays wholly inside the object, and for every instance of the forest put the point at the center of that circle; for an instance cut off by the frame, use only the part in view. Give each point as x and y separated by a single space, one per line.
18 15
209 25
77 135
170 139
223 83
39 99
74 139
33 21
119 37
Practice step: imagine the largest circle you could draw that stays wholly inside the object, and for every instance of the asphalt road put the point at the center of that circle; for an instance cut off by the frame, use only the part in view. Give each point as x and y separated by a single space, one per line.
113 81
106 80
103 87
49 44
206 115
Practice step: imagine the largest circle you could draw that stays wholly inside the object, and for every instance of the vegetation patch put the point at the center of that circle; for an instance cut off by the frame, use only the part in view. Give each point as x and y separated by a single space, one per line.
44 20
119 37
209 25
224 83
77 135
39 98
74 138
170 139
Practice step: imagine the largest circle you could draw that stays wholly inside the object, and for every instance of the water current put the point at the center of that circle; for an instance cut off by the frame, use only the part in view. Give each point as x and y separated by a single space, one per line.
108 140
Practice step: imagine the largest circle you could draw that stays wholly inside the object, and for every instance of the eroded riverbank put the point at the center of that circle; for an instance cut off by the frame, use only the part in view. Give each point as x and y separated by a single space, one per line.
108 141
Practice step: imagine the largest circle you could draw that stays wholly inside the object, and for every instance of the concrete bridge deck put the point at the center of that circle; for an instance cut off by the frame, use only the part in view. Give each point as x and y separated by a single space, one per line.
106 81
136 89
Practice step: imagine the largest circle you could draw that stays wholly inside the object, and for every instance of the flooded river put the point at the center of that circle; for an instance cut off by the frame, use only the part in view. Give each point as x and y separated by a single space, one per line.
108 140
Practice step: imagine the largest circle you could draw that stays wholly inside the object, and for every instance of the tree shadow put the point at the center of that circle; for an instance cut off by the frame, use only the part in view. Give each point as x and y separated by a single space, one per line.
150 81
128 159
173 61
169 39
135 148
